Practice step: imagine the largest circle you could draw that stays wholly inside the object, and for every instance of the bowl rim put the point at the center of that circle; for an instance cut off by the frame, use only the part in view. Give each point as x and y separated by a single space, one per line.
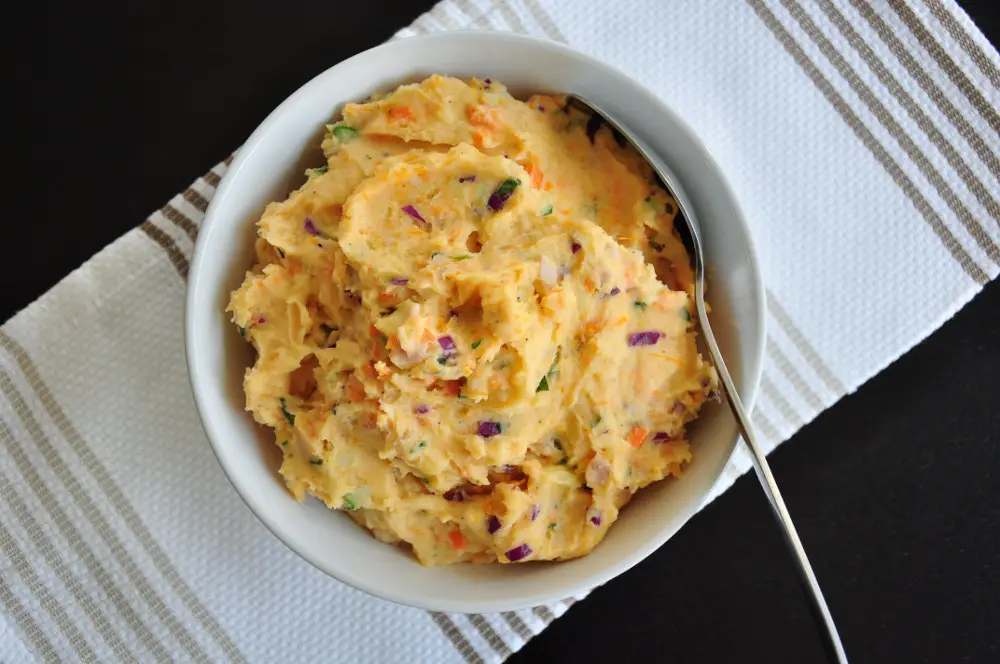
199 382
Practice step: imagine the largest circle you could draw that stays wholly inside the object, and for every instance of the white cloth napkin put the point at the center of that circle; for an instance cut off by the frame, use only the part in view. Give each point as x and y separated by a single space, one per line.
862 140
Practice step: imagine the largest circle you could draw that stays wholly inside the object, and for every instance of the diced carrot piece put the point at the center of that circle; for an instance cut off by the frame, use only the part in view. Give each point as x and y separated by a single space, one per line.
457 539
400 112
636 436
355 389
536 177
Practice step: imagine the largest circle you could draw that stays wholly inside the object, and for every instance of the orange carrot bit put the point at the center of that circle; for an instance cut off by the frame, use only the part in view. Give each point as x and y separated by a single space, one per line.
385 296
536 177
369 371
483 117
399 112
450 387
355 389
636 436
457 539
374 330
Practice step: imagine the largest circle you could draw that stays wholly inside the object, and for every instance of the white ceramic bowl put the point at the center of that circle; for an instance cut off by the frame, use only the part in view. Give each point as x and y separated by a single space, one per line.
270 165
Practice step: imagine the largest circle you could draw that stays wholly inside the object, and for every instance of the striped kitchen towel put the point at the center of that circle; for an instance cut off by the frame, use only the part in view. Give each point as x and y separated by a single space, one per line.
862 139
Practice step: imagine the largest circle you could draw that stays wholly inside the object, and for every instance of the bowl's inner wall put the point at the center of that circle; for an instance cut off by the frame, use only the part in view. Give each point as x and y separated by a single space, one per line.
272 164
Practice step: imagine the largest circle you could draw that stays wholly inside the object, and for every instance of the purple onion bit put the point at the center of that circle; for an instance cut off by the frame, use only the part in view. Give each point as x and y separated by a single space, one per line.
455 495
648 338
535 509
679 407
493 524
422 409
467 178
448 346
575 247
502 194
399 281
615 291
489 428
662 437
412 211
261 320
595 517
310 227
518 553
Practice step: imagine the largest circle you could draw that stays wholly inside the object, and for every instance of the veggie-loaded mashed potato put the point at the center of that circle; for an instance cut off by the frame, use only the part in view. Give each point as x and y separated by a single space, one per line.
473 325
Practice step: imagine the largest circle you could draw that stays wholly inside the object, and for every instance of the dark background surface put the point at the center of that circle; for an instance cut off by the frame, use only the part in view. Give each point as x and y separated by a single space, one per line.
895 490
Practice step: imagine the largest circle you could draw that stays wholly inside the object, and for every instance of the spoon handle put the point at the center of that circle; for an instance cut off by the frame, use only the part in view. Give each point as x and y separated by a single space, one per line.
832 643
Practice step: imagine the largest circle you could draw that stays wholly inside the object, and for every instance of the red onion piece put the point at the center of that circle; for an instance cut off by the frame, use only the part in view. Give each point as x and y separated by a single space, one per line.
662 437
412 211
503 192
535 509
648 338
489 428
615 291
518 553
575 247
310 227
422 409
447 345
493 524
399 281
455 495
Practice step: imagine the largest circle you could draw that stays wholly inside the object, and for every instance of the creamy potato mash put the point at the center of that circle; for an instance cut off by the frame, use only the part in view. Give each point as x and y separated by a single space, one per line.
473 325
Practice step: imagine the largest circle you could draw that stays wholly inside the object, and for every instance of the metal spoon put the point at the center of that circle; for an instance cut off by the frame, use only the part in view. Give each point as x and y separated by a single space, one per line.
689 231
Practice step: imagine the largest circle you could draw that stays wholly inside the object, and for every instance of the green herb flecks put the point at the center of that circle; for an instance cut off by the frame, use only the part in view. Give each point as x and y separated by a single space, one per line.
419 446
507 188
442 360
547 211
476 344
284 443
543 386
640 305
686 315
350 502
552 526
288 416
344 133
320 171
316 461
243 331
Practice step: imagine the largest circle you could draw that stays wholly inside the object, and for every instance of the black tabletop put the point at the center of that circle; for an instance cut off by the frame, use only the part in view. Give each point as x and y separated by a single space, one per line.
895 490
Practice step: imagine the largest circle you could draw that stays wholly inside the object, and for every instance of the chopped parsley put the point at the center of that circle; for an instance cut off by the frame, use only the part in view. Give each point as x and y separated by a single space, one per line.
288 416
316 461
284 443
442 360
552 526
419 446
547 211
349 502
686 315
345 133
243 331
640 305
321 170
543 386
507 188
476 344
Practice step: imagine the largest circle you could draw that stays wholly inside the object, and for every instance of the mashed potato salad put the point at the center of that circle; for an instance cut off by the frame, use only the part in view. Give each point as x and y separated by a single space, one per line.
473 325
